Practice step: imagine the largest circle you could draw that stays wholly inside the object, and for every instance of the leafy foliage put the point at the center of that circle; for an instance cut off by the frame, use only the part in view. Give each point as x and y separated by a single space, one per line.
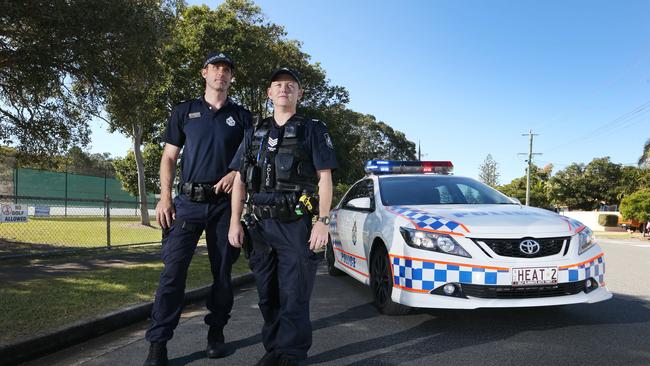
644 160
539 179
586 187
57 59
637 206
125 169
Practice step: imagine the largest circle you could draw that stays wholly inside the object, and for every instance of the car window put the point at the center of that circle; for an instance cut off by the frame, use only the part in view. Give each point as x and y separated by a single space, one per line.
471 195
444 196
437 190
364 188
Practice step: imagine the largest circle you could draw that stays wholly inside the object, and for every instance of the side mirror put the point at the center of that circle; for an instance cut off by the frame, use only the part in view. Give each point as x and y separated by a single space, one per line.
515 200
361 202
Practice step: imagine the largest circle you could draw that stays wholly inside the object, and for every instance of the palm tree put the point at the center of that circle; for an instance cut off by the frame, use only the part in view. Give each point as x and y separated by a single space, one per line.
644 160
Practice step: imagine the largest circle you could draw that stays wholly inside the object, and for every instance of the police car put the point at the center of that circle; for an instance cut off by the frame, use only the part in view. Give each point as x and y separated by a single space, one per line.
421 237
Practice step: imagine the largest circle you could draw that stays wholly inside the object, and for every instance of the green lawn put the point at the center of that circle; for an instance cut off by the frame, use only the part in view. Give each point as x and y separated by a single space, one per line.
43 234
619 235
39 305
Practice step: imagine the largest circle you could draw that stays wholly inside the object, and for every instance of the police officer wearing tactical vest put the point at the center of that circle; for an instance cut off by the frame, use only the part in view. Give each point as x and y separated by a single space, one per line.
209 129
284 179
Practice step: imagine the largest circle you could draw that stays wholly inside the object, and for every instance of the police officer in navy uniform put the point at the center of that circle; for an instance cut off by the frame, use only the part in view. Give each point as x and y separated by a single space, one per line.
284 163
209 129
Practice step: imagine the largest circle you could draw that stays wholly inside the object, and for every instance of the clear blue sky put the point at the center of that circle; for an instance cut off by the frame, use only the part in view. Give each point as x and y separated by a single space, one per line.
467 78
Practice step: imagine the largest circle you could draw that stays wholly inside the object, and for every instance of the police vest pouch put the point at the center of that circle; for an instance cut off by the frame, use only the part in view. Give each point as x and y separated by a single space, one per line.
253 178
283 163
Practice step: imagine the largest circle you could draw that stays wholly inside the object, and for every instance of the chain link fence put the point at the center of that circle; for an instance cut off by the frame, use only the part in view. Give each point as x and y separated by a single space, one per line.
36 225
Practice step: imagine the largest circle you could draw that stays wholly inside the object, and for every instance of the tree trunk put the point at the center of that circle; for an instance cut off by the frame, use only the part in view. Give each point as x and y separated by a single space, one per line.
142 189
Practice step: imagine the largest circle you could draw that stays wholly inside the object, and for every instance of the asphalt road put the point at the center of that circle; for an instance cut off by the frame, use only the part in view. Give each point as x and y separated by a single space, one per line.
349 331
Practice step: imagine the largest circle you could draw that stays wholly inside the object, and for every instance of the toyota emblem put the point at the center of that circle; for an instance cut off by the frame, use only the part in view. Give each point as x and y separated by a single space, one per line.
529 247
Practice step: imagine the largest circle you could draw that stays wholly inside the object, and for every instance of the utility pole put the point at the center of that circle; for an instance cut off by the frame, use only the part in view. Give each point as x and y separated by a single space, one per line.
530 154
419 152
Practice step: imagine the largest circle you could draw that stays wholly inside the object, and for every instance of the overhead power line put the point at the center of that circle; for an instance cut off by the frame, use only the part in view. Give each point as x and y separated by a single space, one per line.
623 121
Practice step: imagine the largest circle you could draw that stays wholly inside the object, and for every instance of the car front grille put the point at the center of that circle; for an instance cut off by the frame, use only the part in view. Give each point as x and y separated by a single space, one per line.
522 292
510 247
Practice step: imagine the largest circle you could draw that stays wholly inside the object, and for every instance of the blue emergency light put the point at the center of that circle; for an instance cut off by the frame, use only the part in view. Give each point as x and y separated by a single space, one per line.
408 167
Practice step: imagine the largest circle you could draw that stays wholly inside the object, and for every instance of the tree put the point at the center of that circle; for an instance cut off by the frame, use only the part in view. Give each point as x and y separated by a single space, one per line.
539 180
488 172
637 206
62 62
586 187
126 172
603 178
644 160
131 106
54 58
569 188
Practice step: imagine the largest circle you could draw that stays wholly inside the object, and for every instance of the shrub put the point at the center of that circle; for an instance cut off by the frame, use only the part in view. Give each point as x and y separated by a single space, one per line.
608 220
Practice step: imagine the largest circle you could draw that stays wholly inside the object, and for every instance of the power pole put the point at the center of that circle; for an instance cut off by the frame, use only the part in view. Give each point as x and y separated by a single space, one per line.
419 152
530 154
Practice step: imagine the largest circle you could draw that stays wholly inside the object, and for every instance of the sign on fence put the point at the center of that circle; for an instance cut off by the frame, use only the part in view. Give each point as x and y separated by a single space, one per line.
13 213
42 211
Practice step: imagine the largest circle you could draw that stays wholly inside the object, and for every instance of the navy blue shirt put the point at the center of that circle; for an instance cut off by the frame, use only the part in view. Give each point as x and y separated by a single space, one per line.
209 138
318 144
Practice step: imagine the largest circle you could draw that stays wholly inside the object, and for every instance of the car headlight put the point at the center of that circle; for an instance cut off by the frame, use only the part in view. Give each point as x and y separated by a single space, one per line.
586 240
432 241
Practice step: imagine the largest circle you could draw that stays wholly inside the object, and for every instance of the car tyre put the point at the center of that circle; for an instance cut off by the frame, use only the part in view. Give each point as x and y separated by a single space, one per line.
329 256
381 284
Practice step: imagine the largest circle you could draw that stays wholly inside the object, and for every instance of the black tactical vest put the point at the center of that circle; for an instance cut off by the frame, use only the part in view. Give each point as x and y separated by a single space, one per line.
293 166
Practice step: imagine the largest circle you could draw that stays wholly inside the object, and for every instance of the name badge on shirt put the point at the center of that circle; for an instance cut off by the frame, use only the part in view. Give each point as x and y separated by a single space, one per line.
195 115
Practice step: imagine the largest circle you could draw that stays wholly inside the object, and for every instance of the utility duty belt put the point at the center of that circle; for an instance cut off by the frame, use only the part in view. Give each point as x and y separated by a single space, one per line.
281 213
288 207
198 192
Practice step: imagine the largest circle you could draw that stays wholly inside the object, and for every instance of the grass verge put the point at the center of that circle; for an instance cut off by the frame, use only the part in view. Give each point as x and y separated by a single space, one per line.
49 234
619 235
40 305
79 232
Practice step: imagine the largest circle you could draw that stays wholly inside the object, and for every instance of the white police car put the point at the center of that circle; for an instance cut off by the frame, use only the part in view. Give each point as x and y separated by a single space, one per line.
422 239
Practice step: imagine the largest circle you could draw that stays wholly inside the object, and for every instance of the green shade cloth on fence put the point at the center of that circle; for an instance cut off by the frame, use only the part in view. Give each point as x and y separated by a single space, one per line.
40 183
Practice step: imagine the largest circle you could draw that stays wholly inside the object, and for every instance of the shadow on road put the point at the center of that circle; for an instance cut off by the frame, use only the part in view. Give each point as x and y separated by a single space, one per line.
448 330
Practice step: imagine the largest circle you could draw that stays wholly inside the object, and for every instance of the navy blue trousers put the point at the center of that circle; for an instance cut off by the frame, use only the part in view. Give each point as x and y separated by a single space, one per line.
285 271
177 250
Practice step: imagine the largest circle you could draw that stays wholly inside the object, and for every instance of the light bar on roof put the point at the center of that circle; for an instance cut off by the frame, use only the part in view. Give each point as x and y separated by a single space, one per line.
408 167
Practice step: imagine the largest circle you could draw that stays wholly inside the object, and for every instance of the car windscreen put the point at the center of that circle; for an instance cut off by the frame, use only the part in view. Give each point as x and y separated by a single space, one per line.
437 190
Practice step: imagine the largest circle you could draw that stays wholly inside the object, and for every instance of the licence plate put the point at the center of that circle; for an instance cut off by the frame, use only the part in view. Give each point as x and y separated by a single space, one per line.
534 276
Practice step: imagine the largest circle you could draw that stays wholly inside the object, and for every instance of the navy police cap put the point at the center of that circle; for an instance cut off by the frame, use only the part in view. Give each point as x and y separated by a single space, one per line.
285 70
215 57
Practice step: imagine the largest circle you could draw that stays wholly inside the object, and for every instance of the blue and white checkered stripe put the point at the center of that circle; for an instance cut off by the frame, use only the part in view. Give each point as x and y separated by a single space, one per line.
594 268
424 219
424 276
427 275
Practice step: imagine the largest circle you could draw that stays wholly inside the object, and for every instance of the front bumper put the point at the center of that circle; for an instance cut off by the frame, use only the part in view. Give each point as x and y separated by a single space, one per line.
425 300
418 282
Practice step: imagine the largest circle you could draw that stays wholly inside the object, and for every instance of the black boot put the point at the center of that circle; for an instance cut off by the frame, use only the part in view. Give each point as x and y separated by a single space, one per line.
157 355
285 360
269 359
216 346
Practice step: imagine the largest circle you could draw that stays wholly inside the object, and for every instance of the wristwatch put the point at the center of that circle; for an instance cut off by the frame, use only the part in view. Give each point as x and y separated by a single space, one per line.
324 219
